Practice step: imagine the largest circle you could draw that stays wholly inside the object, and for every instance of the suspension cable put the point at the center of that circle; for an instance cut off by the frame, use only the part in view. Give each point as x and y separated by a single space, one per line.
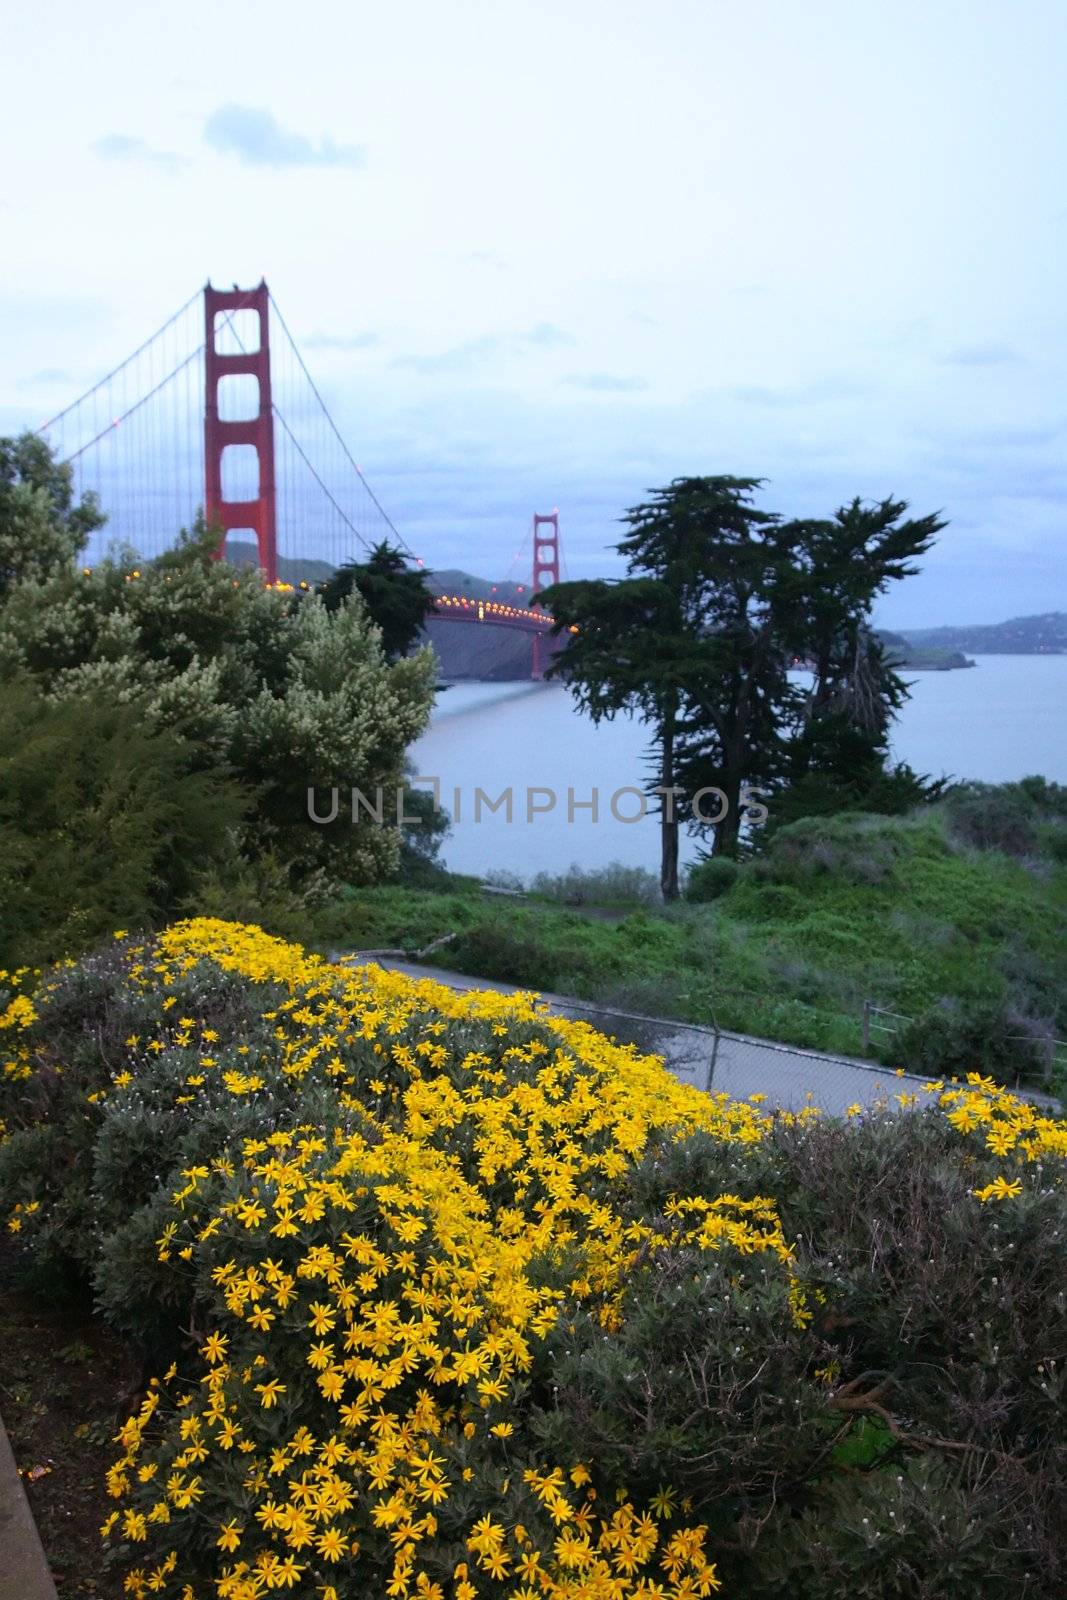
401 541
349 524
141 348
117 421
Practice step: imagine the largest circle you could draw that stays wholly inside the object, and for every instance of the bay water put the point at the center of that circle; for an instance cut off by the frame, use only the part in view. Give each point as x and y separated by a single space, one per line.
997 721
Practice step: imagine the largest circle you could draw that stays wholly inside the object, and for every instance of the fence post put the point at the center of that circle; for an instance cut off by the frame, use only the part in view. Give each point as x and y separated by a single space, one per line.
711 1063
866 1027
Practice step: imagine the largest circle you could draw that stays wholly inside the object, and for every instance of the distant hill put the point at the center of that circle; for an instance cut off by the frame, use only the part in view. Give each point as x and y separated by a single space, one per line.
291 569
454 581
1044 635
912 657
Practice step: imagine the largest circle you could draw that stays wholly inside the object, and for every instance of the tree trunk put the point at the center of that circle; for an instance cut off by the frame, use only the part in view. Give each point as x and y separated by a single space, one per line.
728 828
668 871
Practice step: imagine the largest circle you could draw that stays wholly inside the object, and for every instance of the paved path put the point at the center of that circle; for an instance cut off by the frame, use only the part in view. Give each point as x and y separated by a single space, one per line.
24 1573
743 1064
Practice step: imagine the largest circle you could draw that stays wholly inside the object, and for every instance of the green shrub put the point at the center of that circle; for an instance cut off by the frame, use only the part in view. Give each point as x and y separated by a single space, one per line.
852 849
1026 819
105 822
614 884
992 817
711 878
523 956
261 888
871 788
270 685
1053 839
932 1322
951 1039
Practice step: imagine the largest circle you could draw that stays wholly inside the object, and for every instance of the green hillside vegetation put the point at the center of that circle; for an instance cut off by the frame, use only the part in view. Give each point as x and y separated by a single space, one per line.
902 653
956 918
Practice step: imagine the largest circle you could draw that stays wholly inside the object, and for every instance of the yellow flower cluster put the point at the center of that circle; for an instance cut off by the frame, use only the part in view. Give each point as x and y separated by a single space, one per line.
1006 1125
383 1279
383 1287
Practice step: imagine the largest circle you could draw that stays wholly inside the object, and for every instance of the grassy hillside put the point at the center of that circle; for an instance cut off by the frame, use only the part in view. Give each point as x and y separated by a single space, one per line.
968 942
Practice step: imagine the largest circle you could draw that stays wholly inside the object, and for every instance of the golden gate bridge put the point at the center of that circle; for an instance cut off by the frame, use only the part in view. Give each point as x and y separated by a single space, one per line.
217 413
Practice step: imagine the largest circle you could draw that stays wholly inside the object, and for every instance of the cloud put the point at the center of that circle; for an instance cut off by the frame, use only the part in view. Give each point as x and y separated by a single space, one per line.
486 258
33 315
473 353
255 137
758 395
1013 438
47 378
807 394
461 358
605 382
980 355
332 341
124 147
549 336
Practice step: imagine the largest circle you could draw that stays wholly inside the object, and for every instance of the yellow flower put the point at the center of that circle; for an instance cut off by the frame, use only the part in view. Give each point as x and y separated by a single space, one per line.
999 1189
331 1544
134 1526
663 1503
322 1318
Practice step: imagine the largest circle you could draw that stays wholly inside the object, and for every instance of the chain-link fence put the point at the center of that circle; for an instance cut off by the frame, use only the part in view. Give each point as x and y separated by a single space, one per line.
723 1061
1040 1060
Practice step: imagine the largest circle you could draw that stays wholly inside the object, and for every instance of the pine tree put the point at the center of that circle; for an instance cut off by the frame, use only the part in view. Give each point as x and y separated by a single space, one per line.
397 597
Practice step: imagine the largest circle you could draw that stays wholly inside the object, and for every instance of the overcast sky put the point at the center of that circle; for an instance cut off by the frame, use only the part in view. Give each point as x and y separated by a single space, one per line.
554 252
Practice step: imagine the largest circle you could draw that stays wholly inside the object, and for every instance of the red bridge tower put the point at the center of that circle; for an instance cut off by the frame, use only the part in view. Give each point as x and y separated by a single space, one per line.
257 430
545 571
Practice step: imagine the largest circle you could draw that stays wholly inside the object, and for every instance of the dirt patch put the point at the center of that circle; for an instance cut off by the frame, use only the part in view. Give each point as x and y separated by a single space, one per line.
65 1387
